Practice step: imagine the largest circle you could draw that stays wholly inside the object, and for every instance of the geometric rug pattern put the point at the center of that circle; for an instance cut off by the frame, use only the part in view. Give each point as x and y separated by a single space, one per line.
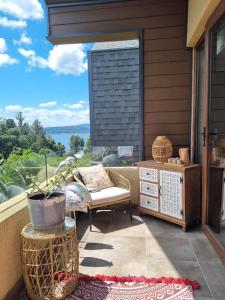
123 289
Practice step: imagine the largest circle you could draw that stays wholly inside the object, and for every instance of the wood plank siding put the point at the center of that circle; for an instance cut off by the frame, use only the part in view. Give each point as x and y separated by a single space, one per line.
167 61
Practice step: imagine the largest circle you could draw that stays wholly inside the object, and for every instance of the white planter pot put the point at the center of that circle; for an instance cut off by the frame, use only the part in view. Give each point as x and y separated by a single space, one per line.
47 213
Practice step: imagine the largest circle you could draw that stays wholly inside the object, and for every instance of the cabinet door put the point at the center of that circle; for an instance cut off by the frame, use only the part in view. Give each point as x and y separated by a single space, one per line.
171 193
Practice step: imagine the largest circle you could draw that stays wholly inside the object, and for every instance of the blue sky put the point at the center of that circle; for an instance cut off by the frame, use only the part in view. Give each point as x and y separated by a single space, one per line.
41 80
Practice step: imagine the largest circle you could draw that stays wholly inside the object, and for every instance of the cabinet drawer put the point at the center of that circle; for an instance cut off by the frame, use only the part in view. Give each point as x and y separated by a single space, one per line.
149 203
149 188
148 174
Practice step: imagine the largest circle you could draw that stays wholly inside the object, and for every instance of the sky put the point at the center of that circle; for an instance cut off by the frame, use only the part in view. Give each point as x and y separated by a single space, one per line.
37 78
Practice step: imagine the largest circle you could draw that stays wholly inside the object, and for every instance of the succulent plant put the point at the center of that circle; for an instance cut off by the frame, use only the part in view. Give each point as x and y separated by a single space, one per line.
3 187
14 190
110 160
3 198
9 191
1 170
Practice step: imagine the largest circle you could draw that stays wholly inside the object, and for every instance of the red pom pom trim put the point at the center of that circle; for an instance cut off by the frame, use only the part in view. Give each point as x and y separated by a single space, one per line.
194 284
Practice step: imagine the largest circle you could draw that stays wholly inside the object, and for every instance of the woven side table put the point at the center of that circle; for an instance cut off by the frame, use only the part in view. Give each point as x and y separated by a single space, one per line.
50 261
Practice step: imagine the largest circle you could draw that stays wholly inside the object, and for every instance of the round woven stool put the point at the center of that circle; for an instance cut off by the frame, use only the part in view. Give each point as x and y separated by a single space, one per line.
50 261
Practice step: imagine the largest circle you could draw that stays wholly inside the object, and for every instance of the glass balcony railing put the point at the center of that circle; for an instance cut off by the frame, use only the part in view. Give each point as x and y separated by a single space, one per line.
113 156
23 166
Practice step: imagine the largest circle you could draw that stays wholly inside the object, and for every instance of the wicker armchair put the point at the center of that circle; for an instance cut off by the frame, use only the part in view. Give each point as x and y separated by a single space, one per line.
119 182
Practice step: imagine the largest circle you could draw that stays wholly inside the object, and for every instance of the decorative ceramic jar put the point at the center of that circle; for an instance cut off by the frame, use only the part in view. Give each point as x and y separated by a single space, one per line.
184 155
162 149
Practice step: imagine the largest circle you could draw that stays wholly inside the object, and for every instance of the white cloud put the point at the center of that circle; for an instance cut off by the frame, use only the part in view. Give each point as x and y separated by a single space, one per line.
79 104
76 106
48 104
5 59
68 59
82 102
33 59
22 9
63 59
3 46
13 108
5 22
24 39
49 116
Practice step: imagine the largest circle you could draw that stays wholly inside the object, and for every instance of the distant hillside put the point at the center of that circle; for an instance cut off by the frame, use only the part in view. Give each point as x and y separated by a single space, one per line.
68 129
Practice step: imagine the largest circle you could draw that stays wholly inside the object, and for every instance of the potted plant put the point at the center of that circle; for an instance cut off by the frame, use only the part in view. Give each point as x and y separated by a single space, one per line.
47 205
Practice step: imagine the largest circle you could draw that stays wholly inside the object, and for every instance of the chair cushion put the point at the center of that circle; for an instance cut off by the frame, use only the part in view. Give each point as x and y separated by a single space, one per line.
95 177
109 195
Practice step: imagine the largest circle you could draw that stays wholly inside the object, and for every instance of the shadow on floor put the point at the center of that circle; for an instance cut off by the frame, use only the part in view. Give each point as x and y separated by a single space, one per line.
95 262
106 221
97 246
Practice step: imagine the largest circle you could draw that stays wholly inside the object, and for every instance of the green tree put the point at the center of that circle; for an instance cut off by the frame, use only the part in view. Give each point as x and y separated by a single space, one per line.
20 119
3 127
60 149
14 131
38 129
10 123
39 143
88 145
76 142
7 144
26 129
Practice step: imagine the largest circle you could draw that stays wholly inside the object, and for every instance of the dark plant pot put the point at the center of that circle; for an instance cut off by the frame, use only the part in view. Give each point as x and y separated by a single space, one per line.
47 213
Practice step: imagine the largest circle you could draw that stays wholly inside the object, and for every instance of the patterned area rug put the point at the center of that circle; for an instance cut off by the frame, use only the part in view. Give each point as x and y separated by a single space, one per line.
133 288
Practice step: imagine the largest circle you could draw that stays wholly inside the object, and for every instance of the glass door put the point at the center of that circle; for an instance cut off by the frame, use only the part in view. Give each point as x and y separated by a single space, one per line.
200 103
216 134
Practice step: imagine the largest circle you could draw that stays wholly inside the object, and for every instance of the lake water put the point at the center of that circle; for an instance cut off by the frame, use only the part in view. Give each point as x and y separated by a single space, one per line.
64 138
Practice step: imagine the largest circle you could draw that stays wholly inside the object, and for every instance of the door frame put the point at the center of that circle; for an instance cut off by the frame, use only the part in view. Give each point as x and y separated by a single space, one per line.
212 21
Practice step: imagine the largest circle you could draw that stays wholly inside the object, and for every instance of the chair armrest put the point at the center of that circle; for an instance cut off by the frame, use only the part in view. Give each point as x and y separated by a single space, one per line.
118 180
76 179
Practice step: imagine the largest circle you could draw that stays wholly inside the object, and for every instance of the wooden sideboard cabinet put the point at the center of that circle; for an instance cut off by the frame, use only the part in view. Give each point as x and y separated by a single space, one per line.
170 192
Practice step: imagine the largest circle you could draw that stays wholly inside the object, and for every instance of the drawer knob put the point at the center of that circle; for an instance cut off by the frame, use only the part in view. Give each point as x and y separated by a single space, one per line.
147 173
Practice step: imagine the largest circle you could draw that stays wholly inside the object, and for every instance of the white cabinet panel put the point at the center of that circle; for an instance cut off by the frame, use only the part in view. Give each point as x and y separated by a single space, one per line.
149 188
149 203
171 193
148 174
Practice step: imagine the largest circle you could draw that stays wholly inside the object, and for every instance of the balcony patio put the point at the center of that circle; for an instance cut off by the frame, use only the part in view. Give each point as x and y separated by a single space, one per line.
146 246
149 247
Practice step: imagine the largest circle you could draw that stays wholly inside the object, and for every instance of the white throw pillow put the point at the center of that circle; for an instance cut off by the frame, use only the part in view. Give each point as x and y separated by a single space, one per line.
96 177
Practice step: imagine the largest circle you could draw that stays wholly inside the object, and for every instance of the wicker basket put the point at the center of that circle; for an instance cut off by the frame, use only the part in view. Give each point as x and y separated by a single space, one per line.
162 149
50 262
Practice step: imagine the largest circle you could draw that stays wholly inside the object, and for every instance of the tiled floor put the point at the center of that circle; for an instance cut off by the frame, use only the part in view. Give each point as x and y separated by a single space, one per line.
221 236
149 247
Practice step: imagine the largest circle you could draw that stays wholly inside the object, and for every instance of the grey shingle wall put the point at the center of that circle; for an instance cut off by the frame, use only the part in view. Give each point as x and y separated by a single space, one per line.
114 97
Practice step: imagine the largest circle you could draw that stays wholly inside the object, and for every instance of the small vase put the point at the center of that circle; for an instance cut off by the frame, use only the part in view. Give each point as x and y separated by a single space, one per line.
184 155
162 149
